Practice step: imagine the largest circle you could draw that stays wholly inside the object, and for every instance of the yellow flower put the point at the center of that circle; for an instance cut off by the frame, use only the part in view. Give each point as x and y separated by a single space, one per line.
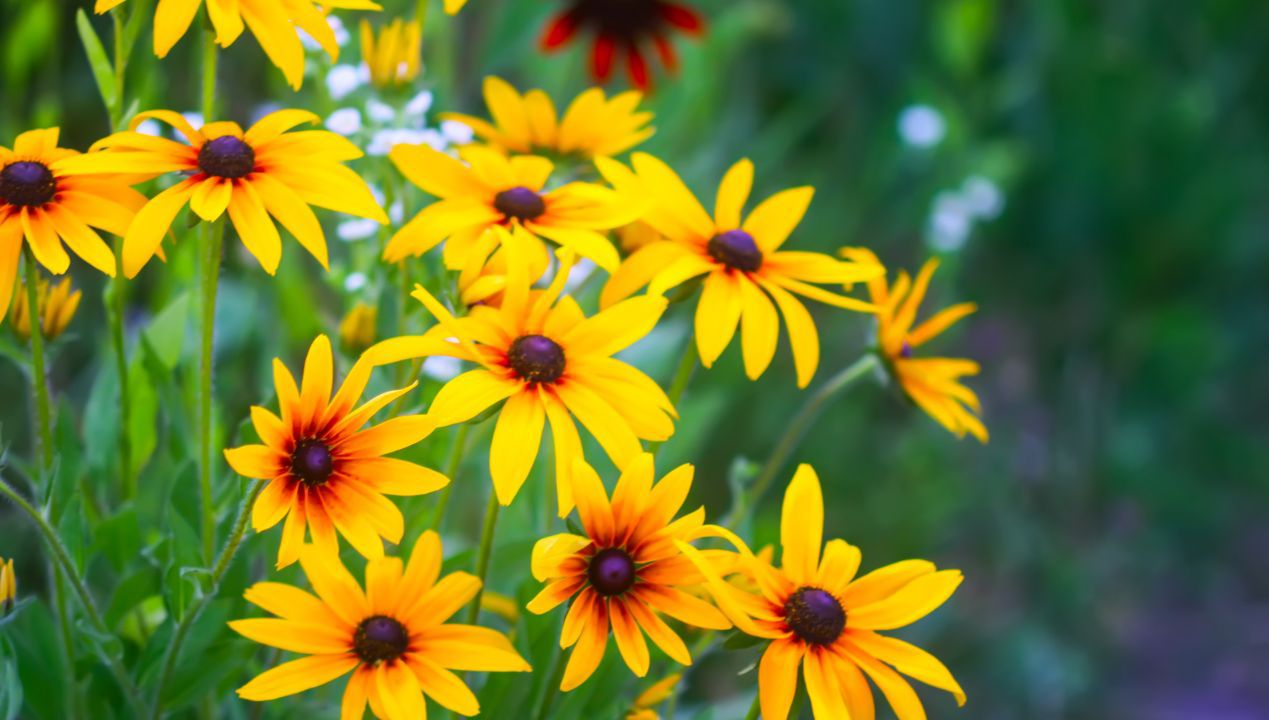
8 584
933 383
488 190
393 636
486 284
395 58
549 363
357 329
656 694
325 472
56 306
453 6
820 616
273 22
41 204
624 571
743 264
593 125
501 605
264 174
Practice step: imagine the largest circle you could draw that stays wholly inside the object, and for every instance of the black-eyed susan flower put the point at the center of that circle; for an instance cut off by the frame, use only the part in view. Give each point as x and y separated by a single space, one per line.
488 190
395 57
655 694
742 261
357 329
275 24
823 619
622 32
264 174
55 304
393 636
933 383
625 571
41 204
545 361
593 125
325 472
8 584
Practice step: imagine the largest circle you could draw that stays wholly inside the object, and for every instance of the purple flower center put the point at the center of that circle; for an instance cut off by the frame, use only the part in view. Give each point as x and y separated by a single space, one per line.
736 249
611 572
536 358
311 462
519 203
815 615
227 157
906 350
27 183
379 639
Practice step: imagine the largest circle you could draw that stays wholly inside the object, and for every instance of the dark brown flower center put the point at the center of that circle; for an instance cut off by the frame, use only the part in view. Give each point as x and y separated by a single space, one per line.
27 183
815 615
227 157
536 358
311 462
736 249
519 203
380 639
906 350
630 20
611 572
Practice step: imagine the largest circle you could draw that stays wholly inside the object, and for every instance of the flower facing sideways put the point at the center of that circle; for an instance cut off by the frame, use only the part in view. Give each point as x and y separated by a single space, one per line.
625 571
56 306
325 472
8 585
257 176
392 636
820 616
395 57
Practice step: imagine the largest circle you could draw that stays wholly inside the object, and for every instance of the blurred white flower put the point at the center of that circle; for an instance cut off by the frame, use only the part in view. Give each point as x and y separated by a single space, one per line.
456 133
193 118
983 197
384 140
150 126
396 213
343 79
921 126
951 221
439 367
380 111
359 229
354 282
337 27
345 121
419 104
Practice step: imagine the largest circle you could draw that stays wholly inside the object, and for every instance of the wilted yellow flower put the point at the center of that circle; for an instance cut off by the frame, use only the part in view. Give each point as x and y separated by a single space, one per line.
8 584
357 329
394 58
57 305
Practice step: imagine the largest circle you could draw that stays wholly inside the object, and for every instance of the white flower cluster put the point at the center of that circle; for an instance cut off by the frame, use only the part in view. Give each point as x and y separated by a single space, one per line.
954 212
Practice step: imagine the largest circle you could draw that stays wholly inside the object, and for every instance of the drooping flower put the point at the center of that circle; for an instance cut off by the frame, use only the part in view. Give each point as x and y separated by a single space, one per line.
275 24
325 472
818 615
625 571
593 125
8 585
546 362
743 262
357 329
933 383
264 174
393 636
45 207
623 30
489 190
395 56
55 306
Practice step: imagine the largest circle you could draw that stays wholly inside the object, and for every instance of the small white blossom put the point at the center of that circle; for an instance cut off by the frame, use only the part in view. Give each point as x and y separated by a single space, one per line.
419 104
359 229
193 118
354 282
380 111
456 133
439 367
983 197
345 121
150 126
342 80
951 221
921 126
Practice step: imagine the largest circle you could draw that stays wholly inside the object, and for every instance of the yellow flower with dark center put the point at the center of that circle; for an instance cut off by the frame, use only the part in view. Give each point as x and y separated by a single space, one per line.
742 262
546 362
593 125
818 615
45 207
56 306
488 190
257 176
656 694
625 571
8 584
325 472
357 329
395 57
275 23
933 383
393 636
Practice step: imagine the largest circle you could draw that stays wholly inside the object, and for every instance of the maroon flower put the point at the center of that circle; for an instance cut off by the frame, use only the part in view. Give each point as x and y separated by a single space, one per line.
624 29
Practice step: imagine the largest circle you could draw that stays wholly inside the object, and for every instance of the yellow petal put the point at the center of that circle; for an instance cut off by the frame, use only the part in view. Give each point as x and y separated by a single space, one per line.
778 678
297 676
802 526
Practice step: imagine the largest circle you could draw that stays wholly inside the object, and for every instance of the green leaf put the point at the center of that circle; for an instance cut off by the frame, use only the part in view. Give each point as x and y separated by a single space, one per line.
166 333
119 538
103 72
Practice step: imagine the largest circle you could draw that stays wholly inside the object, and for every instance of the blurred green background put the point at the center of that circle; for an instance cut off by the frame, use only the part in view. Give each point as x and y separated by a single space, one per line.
1094 175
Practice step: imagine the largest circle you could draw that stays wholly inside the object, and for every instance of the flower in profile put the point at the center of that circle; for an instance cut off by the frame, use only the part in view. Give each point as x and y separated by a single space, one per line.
546 362
744 265
488 190
395 56
623 30
657 693
258 176
8 584
45 207
273 22
56 306
820 616
933 383
625 571
324 472
593 125
393 636
357 329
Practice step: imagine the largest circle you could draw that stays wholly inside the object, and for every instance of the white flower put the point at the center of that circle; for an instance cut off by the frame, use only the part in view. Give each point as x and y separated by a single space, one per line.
359 229
380 111
439 367
193 118
396 213
345 121
354 282
951 221
384 140
343 79
150 126
337 27
263 109
419 104
455 132
983 197
921 126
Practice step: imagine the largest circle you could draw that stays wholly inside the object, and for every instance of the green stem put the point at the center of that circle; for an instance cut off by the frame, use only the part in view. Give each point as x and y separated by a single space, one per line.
209 75
451 471
121 67
213 236
485 554
552 684
682 376
116 307
63 560
218 573
39 374
755 708
68 639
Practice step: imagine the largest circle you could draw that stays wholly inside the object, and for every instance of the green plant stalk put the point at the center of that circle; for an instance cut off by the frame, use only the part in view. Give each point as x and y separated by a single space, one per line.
213 236
115 310
553 685
485 554
209 75
682 377
63 561
754 708
218 573
451 471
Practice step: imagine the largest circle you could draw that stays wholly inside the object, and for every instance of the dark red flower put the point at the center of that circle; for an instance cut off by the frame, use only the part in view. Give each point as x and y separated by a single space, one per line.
623 30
